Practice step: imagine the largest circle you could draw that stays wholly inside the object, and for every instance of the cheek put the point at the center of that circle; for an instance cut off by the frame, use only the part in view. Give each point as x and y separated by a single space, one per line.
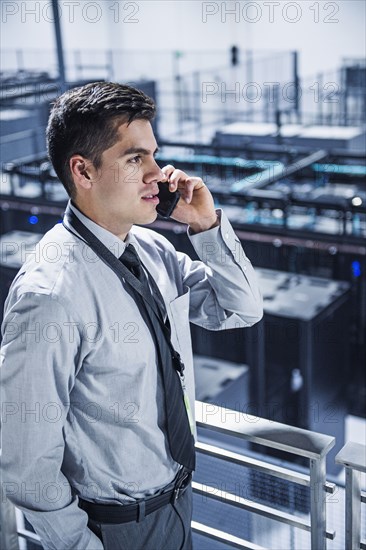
130 178
118 193
114 176
110 180
114 172
121 173
118 181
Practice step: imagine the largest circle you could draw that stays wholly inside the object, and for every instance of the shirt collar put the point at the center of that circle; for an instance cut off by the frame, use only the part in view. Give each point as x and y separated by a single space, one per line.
111 241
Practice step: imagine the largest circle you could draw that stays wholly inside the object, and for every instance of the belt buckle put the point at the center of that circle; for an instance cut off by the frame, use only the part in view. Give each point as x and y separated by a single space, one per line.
181 485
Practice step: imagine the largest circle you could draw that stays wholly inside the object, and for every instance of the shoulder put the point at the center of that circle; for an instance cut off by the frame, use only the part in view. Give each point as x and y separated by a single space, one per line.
46 264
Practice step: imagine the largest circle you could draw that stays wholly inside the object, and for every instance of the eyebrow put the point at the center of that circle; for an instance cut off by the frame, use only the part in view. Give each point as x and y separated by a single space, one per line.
141 150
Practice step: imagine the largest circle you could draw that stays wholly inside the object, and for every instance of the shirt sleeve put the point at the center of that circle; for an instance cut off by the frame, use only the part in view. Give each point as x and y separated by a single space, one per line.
224 291
39 360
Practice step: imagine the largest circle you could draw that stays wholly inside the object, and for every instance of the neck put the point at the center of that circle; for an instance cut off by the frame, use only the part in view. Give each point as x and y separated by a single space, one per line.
119 230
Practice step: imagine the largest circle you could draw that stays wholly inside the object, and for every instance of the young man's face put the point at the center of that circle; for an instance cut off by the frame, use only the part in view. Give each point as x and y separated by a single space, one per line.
125 186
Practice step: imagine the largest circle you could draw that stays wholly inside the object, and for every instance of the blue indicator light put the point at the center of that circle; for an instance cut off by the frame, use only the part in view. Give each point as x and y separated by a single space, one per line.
356 269
33 220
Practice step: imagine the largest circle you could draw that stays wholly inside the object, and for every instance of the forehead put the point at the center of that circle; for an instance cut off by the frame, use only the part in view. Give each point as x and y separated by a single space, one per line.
138 133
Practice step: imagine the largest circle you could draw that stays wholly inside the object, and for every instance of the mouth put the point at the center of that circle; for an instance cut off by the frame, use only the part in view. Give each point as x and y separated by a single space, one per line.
153 199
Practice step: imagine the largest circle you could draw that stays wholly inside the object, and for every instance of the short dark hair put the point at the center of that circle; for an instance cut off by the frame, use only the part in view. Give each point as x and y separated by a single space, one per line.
84 121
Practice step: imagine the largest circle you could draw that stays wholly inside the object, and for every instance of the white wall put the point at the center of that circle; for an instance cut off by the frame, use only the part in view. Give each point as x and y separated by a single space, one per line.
324 32
322 38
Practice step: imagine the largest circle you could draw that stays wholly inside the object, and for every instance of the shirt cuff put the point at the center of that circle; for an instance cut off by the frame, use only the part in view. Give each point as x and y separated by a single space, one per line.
215 243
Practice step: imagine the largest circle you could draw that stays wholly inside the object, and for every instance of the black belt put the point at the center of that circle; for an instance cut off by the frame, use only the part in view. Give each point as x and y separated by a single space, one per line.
116 513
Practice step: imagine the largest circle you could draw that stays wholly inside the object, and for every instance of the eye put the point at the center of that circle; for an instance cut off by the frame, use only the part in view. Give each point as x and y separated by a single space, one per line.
135 160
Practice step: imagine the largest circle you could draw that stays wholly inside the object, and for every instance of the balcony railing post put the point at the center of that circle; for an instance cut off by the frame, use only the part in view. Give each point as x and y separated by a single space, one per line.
317 504
353 458
353 509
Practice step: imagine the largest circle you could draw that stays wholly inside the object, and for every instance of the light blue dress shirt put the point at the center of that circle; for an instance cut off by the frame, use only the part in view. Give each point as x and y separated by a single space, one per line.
82 402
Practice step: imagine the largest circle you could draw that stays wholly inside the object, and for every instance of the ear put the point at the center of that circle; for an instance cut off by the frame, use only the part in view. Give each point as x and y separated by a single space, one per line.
82 171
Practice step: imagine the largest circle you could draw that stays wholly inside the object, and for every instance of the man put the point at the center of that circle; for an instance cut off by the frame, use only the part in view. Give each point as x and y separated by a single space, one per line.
87 444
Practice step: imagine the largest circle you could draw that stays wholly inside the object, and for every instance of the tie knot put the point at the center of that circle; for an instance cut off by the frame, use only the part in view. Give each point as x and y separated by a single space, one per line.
131 260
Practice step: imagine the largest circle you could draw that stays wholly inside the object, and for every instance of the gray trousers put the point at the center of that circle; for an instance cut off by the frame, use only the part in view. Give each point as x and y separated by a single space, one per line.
169 528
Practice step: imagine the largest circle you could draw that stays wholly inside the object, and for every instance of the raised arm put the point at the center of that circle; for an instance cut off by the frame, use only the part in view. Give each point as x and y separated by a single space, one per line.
224 291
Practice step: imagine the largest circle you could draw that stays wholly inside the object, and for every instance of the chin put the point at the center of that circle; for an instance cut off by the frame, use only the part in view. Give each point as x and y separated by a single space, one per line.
149 219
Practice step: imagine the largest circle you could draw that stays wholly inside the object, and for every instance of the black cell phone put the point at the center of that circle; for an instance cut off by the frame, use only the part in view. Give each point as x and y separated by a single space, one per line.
168 200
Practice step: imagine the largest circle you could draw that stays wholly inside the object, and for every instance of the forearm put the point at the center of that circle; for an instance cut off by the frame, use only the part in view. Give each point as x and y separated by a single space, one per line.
230 275
204 224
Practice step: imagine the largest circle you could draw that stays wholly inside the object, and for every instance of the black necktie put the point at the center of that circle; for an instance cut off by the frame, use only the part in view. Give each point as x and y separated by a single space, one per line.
181 441
132 261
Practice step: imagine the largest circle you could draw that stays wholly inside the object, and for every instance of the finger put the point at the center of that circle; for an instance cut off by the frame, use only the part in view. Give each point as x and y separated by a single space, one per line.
177 178
188 190
193 184
167 171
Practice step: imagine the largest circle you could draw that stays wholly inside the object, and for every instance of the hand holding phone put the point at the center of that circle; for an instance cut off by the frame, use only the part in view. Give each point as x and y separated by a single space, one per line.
168 200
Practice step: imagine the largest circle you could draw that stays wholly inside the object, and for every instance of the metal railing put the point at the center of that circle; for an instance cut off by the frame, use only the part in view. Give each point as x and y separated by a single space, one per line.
312 445
353 458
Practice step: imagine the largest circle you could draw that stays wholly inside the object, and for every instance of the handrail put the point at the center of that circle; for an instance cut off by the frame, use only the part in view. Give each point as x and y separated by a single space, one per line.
291 439
353 457
264 432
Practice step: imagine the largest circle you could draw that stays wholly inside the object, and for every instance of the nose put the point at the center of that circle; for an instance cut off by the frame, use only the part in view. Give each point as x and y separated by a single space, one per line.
154 174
